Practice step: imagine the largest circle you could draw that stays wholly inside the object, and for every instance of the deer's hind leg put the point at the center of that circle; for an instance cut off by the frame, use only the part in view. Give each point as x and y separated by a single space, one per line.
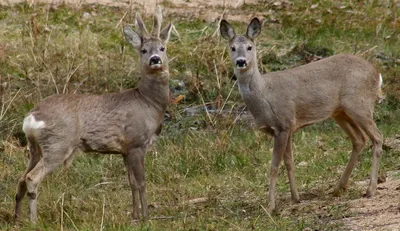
53 155
358 140
35 155
364 120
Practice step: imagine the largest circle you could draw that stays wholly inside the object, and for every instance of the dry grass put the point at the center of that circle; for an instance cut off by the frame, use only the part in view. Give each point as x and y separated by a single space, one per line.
206 172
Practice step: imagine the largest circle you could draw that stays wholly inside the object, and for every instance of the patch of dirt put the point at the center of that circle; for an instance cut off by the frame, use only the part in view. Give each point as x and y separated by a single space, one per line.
148 4
209 11
392 143
382 212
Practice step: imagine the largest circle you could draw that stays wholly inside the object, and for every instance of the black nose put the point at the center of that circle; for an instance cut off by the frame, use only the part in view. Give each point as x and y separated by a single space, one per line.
155 60
241 62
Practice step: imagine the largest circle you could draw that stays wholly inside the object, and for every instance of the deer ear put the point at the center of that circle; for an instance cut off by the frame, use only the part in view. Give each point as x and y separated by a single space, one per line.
165 33
254 28
226 30
132 37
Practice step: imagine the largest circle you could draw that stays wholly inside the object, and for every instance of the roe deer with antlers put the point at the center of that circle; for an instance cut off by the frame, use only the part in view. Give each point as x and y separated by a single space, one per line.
344 87
118 123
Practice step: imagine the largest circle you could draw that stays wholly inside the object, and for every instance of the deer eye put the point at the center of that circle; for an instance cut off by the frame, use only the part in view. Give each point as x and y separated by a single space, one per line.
144 51
249 48
233 49
162 48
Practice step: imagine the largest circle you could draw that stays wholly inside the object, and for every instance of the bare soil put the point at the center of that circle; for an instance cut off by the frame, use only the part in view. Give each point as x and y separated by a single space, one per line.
148 4
209 11
382 212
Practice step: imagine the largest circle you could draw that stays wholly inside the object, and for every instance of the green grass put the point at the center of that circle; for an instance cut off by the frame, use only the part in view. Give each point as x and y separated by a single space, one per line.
230 171
54 50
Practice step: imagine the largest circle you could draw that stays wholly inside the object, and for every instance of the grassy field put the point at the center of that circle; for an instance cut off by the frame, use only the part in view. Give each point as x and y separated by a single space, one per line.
206 172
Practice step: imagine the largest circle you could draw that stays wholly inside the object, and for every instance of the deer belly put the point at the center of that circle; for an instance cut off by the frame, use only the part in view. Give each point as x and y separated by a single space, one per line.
104 144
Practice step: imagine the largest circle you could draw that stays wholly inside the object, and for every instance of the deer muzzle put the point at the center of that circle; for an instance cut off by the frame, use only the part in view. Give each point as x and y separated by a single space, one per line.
241 63
155 62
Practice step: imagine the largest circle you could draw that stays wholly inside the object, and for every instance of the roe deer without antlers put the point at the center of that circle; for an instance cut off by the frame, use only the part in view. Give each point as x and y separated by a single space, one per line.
119 123
343 87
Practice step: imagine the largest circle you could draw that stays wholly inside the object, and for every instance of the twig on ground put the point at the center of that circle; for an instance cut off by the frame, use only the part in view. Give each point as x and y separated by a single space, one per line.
269 215
162 218
62 213
102 214
195 201
103 183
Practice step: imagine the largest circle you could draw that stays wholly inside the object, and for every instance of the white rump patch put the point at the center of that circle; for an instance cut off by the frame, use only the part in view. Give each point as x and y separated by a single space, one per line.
30 123
380 80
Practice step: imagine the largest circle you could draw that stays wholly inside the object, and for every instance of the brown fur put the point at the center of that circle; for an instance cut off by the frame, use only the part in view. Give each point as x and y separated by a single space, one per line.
343 87
118 123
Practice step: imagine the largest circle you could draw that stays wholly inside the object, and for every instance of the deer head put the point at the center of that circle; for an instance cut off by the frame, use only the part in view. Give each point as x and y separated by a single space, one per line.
242 47
152 47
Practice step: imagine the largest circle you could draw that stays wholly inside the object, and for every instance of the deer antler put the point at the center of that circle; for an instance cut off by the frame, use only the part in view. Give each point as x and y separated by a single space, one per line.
140 26
157 22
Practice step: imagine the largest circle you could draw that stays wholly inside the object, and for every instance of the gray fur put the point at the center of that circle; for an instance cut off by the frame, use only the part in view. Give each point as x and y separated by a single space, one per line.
226 30
123 123
342 87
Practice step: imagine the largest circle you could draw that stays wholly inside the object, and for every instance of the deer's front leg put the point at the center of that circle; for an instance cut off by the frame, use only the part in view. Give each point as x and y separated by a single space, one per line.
129 161
288 159
141 180
280 143
134 162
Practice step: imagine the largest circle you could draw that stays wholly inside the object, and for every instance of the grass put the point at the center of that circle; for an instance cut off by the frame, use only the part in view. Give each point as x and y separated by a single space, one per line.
47 50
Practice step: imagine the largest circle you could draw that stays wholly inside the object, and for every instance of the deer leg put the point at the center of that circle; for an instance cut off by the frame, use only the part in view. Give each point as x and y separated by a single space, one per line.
140 177
33 179
358 141
35 155
368 125
21 191
134 188
280 142
376 139
53 156
135 164
288 159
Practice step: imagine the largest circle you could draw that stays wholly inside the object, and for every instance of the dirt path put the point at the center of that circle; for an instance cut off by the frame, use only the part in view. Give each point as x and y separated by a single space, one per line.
379 213
209 11
148 5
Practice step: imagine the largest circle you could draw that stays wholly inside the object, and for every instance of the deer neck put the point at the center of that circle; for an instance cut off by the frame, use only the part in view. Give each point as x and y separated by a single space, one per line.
248 80
155 89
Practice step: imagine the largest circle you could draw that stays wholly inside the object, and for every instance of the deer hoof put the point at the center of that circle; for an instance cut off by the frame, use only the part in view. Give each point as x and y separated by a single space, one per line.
271 210
370 193
337 192
294 201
